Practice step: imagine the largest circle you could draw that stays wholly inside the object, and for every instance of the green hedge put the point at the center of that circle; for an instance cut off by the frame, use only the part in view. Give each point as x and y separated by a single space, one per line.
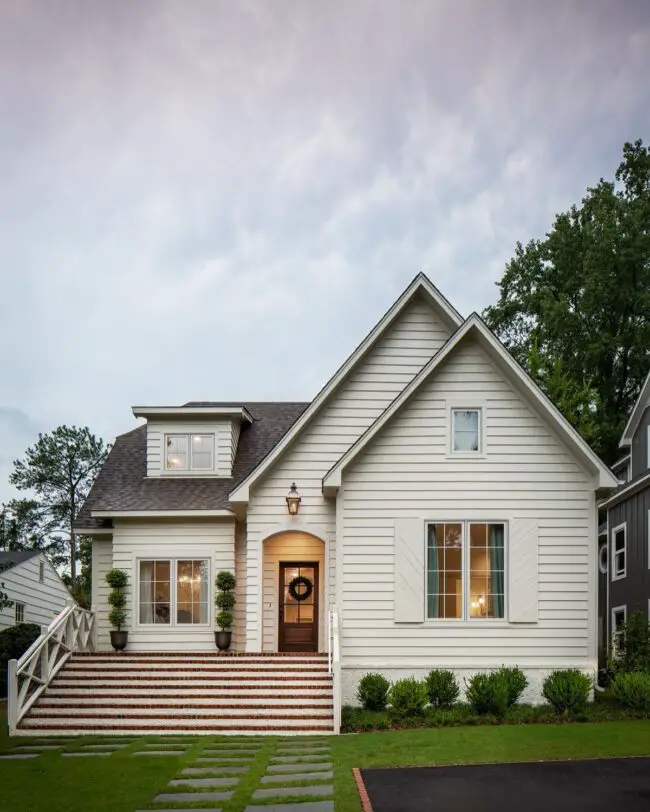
14 642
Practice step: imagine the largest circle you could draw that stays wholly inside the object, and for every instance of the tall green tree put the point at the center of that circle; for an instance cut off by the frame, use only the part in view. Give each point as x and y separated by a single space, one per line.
57 472
574 307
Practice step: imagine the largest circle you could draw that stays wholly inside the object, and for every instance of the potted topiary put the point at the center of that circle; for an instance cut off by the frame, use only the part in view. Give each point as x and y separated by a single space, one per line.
224 601
117 579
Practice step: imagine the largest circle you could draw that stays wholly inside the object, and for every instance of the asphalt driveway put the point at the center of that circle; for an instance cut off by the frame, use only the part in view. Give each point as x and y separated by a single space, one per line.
604 785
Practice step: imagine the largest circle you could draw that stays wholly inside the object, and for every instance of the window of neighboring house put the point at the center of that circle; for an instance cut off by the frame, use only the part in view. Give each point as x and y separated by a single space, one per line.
41 572
465 570
624 474
465 431
186 452
619 553
20 612
602 558
173 592
619 616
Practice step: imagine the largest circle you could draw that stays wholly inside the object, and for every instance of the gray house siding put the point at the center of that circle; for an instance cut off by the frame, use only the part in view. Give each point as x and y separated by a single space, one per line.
640 445
633 590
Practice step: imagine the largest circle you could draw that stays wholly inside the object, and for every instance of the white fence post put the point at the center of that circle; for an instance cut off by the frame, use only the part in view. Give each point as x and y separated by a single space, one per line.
12 697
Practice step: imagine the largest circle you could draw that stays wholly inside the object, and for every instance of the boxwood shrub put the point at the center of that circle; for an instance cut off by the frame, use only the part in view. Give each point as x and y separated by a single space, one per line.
372 692
442 688
567 690
408 697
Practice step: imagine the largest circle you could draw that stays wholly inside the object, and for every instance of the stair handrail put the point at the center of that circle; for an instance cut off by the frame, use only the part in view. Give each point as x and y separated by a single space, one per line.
72 630
334 661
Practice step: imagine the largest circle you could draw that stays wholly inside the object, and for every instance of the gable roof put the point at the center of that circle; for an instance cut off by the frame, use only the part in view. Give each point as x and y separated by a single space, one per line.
475 326
122 483
15 557
642 402
421 285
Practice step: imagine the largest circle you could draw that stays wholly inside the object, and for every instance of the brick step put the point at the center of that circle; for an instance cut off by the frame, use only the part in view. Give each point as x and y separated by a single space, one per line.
229 655
190 659
173 700
117 684
166 668
191 711
259 729
197 724
216 692
98 695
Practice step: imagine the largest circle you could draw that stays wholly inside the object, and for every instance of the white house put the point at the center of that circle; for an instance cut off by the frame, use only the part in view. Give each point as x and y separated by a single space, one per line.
446 519
34 586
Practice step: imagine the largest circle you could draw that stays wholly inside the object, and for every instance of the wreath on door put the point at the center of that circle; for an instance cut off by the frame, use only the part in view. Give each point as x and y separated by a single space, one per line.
304 584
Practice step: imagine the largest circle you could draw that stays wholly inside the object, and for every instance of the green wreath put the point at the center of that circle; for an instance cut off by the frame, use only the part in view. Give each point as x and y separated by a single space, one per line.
300 580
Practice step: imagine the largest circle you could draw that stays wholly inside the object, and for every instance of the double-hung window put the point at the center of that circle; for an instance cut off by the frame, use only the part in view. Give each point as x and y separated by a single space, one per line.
19 610
466 570
189 452
465 431
173 591
619 552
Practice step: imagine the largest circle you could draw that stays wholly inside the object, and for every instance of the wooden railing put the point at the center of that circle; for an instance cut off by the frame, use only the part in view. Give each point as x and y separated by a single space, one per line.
334 664
72 630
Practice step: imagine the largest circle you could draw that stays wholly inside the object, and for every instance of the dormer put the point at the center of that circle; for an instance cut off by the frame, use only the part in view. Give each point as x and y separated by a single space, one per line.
195 440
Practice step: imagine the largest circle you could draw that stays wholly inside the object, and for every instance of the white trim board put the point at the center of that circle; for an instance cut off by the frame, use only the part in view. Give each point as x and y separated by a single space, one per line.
420 285
162 514
475 326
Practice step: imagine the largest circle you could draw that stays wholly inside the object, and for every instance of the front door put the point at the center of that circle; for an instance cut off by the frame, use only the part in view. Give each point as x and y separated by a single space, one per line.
298 601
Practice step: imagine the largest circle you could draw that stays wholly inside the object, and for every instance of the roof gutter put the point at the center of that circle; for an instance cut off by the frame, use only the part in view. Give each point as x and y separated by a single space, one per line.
629 490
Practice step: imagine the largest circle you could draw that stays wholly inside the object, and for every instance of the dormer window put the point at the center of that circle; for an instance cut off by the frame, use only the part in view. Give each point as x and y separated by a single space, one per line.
189 452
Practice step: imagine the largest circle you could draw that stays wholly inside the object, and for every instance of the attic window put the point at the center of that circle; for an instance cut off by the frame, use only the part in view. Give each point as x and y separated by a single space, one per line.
185 452
465 431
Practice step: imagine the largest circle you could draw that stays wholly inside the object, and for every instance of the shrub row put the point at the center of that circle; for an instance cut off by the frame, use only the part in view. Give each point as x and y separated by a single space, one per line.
486 693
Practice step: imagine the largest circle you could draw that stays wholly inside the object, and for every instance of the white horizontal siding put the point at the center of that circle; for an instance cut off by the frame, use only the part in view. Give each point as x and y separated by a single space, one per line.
43 601
406 472
239 637
413 338
289 547
102 562
213 540
223 446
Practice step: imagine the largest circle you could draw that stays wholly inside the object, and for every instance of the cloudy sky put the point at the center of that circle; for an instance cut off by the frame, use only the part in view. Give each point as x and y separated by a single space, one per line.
218 199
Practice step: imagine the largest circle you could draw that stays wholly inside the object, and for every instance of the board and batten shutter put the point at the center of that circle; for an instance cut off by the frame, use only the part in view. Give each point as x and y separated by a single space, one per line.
523 567
409 571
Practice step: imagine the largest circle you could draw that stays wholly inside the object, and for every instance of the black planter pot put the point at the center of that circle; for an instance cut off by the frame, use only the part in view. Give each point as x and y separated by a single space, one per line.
223 640
119 639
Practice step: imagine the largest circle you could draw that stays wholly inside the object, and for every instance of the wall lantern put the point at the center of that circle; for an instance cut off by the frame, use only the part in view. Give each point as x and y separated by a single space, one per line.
293 500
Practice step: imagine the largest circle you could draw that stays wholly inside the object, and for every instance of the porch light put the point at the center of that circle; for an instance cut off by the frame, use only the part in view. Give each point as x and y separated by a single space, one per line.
293 500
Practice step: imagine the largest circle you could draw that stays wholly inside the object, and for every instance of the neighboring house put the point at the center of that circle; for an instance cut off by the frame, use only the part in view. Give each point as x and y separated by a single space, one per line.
624 538
34 586
446 518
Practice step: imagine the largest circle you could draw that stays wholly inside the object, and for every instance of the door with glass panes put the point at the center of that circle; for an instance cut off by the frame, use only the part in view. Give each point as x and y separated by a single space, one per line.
298 606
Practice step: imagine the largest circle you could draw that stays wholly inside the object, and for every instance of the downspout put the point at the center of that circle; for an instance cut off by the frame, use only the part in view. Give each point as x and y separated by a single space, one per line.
598 687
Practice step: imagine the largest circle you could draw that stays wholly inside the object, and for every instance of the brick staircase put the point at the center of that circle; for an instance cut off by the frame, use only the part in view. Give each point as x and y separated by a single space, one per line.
188 693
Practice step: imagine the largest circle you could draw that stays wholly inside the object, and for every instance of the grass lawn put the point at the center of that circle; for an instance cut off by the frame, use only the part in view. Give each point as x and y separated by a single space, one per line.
123 783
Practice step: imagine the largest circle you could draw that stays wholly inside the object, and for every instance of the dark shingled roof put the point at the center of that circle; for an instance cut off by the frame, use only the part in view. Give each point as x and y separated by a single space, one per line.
15 557
122 483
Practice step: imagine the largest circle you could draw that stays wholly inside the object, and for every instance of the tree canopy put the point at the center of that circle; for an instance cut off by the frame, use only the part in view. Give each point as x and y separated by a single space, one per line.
57 473
574 307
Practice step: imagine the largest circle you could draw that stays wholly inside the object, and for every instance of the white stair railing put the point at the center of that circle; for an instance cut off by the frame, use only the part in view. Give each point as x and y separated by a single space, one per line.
334 664
72 630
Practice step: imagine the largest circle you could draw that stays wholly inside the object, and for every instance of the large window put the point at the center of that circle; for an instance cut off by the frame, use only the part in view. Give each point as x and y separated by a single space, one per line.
173 591
619 552
465 430
466 570
189 452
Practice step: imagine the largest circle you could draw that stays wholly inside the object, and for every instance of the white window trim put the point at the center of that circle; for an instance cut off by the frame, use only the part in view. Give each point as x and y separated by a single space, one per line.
604 548
173 589
466 616
189 467
454 405
611 561
615 610
23 607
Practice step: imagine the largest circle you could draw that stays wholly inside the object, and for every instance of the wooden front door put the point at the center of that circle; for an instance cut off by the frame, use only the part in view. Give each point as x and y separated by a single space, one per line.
298 601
